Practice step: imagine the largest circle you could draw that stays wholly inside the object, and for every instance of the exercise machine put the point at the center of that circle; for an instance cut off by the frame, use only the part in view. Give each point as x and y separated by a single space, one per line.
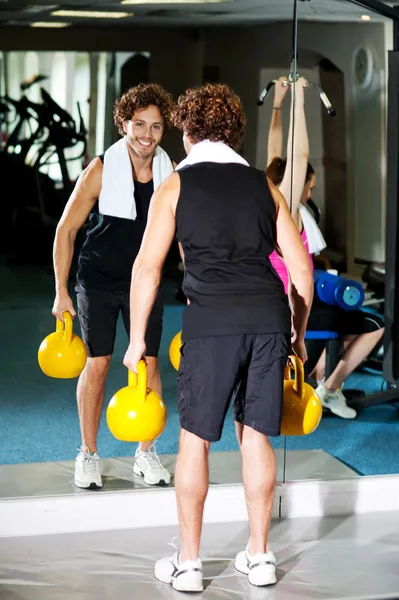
293 74
40 134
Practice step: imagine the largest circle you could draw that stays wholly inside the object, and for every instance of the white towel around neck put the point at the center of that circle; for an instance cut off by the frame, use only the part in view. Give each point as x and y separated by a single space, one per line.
315 238
208 151
117 188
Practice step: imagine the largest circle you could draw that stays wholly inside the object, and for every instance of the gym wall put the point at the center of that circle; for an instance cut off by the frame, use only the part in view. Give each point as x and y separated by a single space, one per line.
365 118
178 58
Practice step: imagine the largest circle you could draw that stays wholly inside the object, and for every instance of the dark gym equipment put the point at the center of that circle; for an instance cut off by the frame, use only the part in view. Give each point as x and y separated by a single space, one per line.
293 74
26 111
62 134
25 85
291 78
38 135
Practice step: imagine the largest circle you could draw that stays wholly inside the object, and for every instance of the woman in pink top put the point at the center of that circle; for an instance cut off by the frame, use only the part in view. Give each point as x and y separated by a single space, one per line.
360 332
279 265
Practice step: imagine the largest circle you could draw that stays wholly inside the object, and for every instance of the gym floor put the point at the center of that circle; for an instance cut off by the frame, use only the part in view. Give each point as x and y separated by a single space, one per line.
38 414
310 553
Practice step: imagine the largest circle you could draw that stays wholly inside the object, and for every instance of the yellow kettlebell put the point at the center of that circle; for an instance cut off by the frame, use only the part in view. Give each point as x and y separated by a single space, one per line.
62 354
135 413
174 351
302 408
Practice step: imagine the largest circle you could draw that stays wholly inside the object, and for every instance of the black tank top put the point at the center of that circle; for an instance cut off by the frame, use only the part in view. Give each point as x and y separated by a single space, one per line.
226 223
112 244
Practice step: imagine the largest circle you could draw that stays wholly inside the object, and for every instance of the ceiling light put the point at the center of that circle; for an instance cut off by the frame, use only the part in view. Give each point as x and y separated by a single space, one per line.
91 14
50 24
36 8
365 18
173 1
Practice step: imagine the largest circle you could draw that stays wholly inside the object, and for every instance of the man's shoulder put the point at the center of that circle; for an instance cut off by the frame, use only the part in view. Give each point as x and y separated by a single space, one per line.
259 172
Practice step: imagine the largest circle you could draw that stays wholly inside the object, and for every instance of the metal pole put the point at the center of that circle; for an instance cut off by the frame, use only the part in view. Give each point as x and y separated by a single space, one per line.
295 72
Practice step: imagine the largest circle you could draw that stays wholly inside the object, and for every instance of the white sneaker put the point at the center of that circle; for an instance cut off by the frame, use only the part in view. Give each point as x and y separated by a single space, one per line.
149 466
260 568
335 401
87 473
184 577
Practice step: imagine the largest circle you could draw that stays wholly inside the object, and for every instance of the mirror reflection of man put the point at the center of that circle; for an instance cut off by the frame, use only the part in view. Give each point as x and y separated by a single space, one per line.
114 192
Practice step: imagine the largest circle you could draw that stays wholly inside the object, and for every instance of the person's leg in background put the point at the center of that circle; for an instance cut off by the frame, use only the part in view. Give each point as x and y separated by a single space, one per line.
352 357
318 373
98 315
147 463
258 411
90 397
358 348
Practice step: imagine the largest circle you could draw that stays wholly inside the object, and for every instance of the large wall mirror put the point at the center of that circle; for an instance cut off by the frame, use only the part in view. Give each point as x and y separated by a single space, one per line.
65 85
56 115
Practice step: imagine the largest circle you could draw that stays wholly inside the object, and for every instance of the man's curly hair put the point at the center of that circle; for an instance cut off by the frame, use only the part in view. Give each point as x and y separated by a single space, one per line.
139 97
211 112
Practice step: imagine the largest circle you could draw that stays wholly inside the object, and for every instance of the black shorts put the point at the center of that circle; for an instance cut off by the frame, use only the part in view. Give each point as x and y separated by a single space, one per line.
324 317
98 313
248 368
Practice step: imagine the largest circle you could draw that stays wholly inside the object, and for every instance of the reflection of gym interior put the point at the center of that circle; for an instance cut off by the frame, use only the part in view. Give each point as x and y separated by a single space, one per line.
336 497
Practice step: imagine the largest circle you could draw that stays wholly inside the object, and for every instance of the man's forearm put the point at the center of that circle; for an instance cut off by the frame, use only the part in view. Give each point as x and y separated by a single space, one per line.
62 259
301 298
297 156
143 292
275 140
301 140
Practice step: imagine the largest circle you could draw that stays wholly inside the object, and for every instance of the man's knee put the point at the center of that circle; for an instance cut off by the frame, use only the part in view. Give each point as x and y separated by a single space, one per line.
191 441
97 367
250 437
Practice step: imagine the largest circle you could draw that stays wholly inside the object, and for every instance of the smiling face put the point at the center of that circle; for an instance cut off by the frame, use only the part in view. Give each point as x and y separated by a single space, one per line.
144 131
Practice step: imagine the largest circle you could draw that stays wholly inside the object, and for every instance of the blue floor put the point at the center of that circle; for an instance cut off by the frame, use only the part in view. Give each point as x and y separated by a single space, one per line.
38 419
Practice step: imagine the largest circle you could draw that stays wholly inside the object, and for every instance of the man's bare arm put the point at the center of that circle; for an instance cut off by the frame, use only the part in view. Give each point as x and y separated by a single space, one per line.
275 139
79 205
147 269
297 262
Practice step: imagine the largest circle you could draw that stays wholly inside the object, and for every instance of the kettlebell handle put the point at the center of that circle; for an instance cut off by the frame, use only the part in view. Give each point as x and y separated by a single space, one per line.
139 379
66 327
295 363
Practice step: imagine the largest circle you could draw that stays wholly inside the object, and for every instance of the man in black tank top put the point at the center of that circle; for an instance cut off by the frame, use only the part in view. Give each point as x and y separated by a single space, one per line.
237 326
112 242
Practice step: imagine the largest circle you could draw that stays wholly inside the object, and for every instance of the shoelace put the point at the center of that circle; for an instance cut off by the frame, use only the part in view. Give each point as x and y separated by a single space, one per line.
338 396
152 457
176 557
90 462
172 543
